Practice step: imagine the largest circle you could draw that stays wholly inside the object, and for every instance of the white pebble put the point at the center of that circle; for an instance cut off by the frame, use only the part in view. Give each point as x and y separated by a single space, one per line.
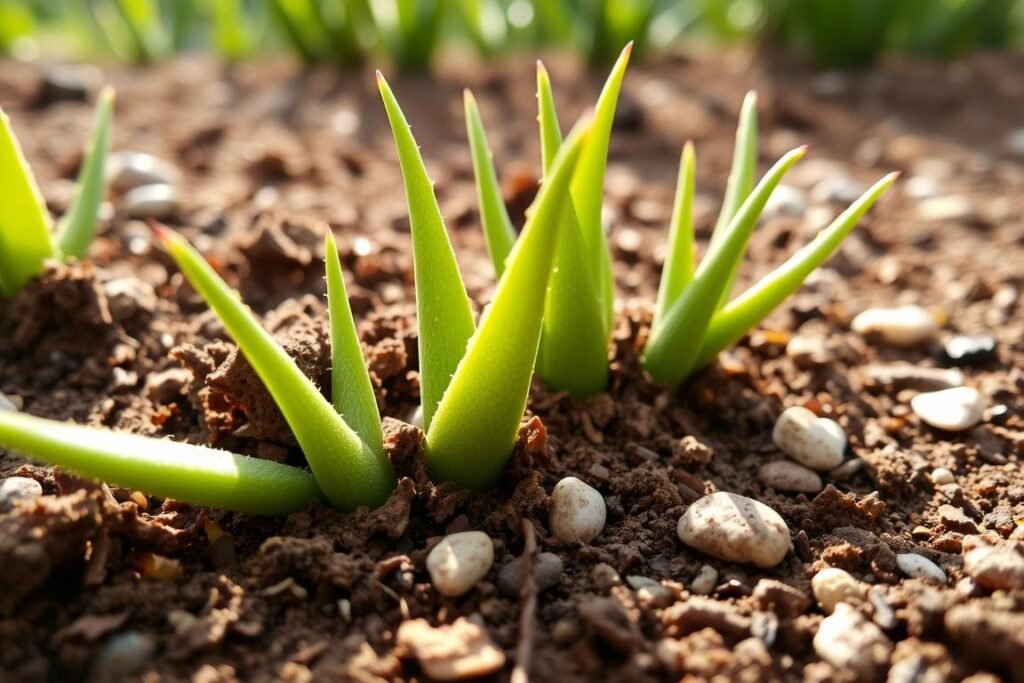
152 201
840 189
785 475
901 326
952 208
416 417
922 187
919 567
852 644
832 586
942 476
999 568
786 200
735 528
705 581
14 489
459 561
577 512
952 410
815 442
127 170
7 404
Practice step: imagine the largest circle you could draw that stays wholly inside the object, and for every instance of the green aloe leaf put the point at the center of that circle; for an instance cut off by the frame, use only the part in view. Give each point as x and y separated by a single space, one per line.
741 180
573 353
348 471
672 348
745 311
25 240
442 306
550 132
78 226
475 427
194 474
351 389
588 188
679 262
498 230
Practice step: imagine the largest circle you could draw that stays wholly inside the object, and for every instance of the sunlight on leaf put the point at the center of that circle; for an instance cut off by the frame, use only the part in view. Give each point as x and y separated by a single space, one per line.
679 261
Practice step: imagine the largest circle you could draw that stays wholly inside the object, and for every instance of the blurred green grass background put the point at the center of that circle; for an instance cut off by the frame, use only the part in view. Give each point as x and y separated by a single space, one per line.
410 33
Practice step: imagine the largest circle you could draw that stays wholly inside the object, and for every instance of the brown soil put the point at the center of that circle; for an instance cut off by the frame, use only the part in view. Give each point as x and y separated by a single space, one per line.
269 154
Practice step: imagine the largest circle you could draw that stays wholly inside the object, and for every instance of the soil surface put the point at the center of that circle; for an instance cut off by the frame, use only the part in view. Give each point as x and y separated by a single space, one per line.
104 584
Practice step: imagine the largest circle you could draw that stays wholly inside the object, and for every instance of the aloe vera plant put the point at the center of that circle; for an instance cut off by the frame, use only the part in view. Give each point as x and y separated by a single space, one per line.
694 316
475 378
26 239
343 443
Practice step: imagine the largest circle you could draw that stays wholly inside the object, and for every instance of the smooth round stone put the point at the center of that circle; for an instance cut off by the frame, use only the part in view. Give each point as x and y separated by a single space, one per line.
786 200
124 655
815 442
952 410
901 326
578 511
922 187
1000 568
920 567
852 644
547 570
941 476
152 201
705 581
951 208
735 528
14 489
459 561
785 475
127 170
964 351
832 586
839 189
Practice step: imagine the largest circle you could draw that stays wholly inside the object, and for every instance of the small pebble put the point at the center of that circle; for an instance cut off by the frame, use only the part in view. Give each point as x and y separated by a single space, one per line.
735 528
547 570
1015 142
919 567
705 581
127 170
838 189
941 476
578 511
902 326
905 376
69 83
885 615
965 351
809 351
815 442
952 410
7 404
152 201
124 655
954 208
459 561
832 586
852 644
1000 568
14 489
785 475
786 200
922 187
416 417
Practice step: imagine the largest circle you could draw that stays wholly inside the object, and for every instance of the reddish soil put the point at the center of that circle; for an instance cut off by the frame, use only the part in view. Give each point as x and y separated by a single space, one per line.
270 154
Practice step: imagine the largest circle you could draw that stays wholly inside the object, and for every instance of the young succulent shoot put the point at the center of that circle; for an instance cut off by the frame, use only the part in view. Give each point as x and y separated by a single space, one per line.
351 469
694 319
472 427
194 474
26 239
573 354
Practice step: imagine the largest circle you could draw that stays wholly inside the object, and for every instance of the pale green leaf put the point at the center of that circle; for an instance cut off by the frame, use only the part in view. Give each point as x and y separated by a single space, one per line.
550 132
443 309
671 351
588 189
679 261
498 231
474 430
77 227
25 240
159 467
348 471
351 389
745 311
